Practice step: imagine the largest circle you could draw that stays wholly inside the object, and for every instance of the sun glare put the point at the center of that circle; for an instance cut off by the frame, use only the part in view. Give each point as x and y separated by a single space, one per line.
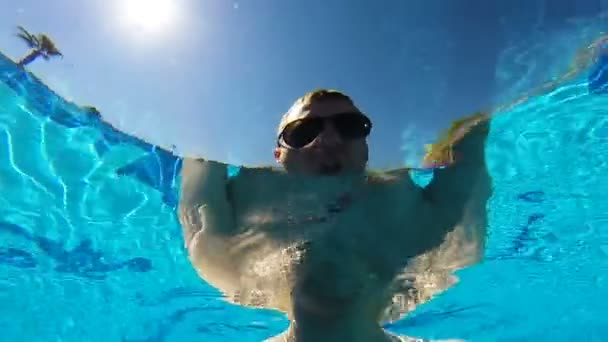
151 16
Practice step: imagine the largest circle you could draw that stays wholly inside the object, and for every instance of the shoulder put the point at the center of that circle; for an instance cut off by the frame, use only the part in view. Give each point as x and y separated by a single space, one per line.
400 177
253 176
192 166
396 191
260 171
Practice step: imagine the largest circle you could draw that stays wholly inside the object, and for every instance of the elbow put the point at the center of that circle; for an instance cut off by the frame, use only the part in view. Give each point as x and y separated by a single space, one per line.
190 220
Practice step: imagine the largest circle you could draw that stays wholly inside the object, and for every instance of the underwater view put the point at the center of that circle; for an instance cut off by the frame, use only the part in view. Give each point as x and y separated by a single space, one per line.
92 249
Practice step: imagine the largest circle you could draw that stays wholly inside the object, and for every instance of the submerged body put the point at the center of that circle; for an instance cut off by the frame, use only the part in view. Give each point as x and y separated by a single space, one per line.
339 254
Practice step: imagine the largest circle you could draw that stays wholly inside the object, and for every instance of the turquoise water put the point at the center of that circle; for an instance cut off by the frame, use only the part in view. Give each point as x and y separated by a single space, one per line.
91 250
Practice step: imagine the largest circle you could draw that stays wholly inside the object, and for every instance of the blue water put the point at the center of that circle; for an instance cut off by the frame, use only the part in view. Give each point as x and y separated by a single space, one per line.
91 249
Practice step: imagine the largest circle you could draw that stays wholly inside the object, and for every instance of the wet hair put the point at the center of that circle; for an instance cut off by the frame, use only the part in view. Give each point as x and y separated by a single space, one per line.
315 96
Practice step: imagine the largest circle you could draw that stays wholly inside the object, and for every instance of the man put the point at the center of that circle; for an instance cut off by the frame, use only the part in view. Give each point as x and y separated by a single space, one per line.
337 248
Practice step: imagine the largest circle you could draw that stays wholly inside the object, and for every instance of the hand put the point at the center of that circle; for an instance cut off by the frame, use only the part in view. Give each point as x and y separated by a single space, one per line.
442 153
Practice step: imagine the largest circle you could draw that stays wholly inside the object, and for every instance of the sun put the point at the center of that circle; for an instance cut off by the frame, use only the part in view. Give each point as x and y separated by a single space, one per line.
150 16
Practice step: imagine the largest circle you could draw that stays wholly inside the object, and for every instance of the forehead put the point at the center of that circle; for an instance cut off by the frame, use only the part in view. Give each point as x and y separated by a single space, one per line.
319 109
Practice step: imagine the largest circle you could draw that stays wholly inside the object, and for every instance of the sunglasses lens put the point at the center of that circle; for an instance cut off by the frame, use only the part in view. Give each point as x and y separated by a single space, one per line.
352 125
302 132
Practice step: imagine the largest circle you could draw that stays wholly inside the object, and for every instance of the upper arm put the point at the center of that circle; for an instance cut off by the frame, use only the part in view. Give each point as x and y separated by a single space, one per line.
204 200
200 180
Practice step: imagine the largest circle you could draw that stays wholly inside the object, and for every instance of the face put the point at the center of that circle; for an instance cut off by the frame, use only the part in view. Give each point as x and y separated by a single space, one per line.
328 153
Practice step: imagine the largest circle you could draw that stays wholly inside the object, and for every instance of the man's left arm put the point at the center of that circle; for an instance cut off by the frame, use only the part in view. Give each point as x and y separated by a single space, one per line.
458 193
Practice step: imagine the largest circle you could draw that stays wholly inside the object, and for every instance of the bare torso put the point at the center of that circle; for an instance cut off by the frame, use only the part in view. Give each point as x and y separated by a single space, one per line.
338 241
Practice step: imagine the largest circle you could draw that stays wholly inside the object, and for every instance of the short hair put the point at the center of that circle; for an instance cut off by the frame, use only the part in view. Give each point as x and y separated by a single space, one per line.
315 96
320 95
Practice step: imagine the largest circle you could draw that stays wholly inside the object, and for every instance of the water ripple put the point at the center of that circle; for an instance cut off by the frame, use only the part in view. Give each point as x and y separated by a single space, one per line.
82 260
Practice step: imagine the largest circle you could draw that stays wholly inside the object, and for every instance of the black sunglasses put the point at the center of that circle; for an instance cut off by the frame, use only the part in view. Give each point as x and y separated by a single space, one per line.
301 132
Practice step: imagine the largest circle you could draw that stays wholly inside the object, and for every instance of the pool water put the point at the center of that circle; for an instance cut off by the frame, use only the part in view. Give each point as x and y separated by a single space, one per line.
91 249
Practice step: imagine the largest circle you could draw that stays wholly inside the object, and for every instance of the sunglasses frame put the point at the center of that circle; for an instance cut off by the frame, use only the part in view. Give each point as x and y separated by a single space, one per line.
282 143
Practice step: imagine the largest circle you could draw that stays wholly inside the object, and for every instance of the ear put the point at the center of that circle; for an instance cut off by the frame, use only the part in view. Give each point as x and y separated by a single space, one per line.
277 154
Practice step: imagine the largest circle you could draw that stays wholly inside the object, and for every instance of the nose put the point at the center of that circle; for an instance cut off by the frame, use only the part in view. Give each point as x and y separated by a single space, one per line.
328 136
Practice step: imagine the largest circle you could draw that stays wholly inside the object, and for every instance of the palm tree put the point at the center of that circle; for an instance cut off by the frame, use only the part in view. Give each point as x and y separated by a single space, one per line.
41 45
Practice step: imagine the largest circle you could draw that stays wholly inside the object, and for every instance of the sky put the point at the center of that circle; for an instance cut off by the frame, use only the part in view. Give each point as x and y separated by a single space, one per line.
213 77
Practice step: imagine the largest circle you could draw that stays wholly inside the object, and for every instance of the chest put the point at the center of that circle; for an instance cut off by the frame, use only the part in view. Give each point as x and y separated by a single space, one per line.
362 221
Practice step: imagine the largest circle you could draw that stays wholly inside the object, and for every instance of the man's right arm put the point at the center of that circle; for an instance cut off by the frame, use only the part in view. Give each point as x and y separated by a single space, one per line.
204 204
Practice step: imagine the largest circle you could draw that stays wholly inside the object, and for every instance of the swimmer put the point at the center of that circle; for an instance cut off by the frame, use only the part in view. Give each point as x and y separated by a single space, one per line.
338 248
